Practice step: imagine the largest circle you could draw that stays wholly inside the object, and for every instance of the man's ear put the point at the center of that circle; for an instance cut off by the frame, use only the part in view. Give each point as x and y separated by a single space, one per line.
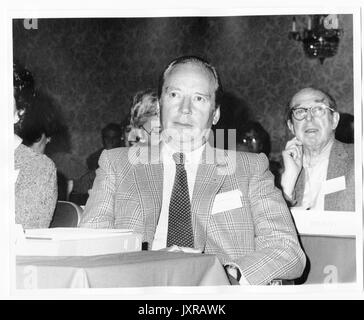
216 116
335 119
290 126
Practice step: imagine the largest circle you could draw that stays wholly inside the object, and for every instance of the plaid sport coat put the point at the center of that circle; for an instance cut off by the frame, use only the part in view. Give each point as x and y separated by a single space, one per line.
259 236
341 164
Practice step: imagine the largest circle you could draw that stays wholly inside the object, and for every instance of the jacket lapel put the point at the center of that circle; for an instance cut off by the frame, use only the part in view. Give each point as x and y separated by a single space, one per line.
149 182
337 168
300 187
207 184
337 161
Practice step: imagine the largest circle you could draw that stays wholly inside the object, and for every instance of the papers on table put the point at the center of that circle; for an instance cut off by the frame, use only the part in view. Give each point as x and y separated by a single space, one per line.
326 223
73 233
76 242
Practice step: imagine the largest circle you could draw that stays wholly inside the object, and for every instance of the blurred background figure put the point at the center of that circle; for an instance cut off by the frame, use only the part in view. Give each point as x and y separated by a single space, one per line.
39 124
137 127
252 137
126 128
345 129
144 117
112 137
24 91
233 109
36 181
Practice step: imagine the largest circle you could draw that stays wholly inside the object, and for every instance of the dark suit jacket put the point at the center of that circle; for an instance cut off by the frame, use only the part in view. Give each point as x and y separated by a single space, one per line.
258 235
341 163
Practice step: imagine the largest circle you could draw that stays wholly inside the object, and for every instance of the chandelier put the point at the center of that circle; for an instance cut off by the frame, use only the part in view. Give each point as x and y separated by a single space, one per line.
321 36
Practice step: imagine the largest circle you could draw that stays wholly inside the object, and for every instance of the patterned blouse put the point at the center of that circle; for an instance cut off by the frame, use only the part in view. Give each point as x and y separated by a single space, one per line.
35 188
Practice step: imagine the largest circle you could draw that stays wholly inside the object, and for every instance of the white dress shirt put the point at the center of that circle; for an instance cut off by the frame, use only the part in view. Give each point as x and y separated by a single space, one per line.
315 178
192 160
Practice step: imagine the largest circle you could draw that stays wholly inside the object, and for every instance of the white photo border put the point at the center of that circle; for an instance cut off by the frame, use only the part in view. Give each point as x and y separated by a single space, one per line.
178 292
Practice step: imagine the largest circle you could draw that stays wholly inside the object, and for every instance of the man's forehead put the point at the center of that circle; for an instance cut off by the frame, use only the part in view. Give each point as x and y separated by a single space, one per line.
184 69
308 97
250 132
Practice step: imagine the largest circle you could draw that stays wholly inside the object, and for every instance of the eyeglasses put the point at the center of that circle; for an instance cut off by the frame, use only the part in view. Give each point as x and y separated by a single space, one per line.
249 140
316 111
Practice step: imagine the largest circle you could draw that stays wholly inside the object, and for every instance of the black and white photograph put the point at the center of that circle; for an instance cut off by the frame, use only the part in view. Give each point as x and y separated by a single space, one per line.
184 152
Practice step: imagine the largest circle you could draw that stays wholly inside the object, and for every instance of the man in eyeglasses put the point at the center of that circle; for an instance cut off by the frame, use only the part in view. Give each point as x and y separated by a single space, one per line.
318 170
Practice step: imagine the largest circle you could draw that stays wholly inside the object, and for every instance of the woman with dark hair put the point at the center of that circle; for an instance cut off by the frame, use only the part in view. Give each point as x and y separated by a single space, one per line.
39 124
36 183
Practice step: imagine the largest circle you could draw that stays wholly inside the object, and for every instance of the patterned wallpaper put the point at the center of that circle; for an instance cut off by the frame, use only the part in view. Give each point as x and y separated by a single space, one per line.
92 67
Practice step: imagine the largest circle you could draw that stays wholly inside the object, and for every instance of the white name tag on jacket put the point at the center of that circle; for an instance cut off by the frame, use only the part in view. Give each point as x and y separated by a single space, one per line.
334 185
226 201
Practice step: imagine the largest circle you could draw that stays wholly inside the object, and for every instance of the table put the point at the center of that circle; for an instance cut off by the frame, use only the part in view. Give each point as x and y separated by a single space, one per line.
329 241
330 259
132 269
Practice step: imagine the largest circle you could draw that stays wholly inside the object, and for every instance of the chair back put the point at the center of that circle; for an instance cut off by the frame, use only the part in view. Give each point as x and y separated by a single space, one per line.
66 215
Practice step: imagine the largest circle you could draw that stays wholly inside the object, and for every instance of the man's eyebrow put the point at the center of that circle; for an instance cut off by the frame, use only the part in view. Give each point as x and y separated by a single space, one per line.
295 105
323 99
172 88
207 95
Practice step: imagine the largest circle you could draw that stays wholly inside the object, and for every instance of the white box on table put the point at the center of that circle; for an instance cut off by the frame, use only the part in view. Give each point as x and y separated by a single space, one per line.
77 242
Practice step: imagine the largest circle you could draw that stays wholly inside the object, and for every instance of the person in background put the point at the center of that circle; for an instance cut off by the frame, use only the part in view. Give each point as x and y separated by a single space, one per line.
144 117
345 129
318 169
112 137
184 198
36 183
23 85
252 137
126 128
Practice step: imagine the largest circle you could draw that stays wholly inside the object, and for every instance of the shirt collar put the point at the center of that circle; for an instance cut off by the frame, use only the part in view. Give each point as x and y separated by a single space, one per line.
190 157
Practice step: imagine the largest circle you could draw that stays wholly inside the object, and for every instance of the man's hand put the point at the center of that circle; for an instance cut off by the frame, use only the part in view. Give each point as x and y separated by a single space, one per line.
292 159
175 248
